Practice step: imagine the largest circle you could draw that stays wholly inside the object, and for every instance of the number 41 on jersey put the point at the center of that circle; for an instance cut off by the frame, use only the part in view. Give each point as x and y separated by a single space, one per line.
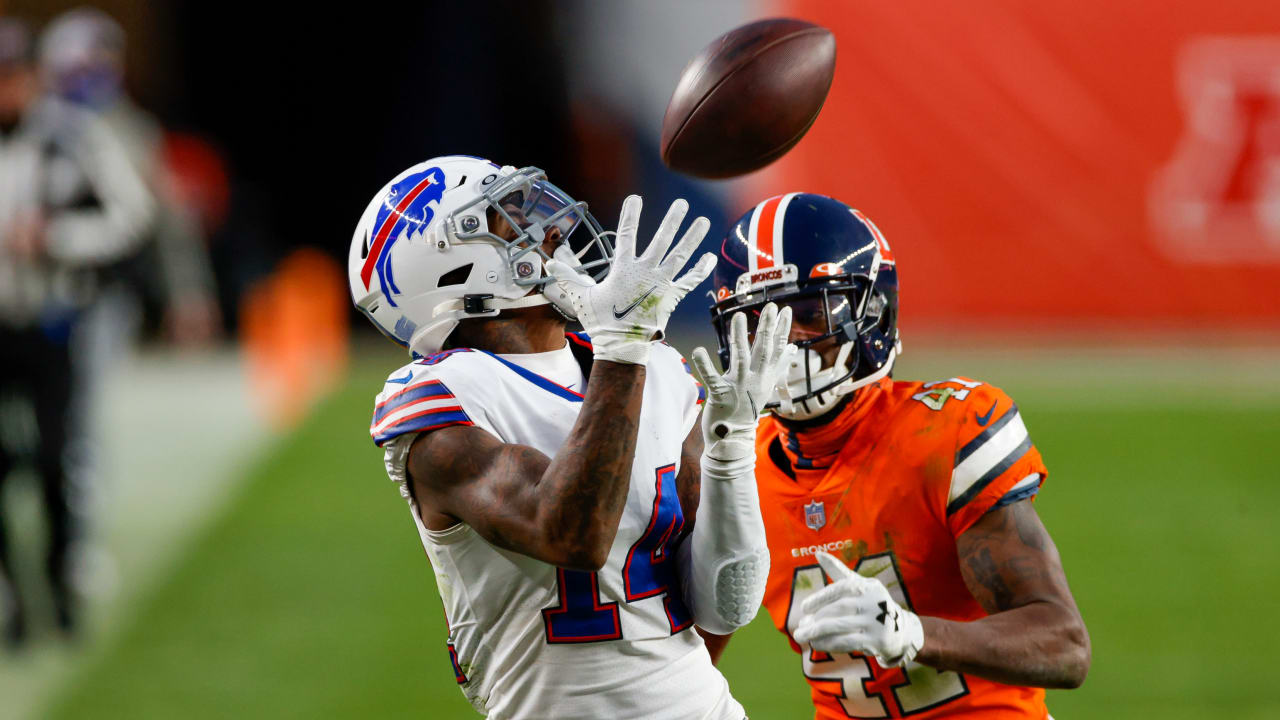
865 689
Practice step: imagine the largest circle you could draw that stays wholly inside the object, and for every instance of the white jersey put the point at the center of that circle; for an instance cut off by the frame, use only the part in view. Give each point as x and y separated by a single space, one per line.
528 639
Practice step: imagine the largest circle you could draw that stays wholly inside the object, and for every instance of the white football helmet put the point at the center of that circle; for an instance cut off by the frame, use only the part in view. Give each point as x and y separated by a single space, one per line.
425 256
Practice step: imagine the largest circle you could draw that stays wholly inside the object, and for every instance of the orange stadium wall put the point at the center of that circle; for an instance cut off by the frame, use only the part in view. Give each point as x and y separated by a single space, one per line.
1057 164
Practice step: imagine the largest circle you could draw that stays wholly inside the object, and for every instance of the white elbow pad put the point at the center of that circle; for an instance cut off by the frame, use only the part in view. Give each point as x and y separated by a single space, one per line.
740 589
726 560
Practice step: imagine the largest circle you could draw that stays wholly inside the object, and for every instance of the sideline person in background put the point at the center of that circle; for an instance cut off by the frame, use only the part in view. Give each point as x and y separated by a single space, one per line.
82 61
910 502
70 203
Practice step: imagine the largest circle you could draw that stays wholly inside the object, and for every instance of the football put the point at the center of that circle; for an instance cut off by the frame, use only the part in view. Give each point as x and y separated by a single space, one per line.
748 98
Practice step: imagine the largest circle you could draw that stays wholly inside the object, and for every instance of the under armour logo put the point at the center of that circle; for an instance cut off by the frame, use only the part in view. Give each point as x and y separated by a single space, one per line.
884 613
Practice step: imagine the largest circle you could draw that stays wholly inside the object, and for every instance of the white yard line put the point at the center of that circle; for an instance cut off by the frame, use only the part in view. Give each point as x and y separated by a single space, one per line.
175 434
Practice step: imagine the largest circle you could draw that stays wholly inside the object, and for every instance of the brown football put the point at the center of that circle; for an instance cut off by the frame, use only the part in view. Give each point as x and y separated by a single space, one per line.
748 97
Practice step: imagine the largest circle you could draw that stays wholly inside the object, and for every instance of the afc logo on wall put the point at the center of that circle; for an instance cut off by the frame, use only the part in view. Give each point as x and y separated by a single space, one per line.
1217 199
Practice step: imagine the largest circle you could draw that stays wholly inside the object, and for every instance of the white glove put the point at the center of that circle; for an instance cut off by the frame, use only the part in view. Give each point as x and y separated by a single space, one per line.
736 399
857 614
629 309
725 564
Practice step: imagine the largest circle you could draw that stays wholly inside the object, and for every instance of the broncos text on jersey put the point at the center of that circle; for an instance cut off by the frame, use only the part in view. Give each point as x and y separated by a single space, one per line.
888 486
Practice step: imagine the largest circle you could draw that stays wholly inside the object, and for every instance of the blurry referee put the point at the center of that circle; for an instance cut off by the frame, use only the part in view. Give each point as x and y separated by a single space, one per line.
70 205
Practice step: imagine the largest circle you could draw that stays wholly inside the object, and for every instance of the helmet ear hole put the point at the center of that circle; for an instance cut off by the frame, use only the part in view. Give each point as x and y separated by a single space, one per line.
456 276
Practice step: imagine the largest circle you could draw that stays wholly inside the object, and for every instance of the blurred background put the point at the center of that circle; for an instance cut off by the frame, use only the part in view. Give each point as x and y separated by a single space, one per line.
1084 198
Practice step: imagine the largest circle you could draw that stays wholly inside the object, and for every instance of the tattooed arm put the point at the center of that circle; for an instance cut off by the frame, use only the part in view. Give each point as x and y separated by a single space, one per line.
1034 635
562 510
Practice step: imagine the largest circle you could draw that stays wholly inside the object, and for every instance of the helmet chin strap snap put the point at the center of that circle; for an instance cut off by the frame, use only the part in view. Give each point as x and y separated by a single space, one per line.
486 305
475 304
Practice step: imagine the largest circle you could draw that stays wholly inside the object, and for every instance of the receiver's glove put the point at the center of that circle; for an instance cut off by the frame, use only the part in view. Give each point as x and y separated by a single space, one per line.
629 309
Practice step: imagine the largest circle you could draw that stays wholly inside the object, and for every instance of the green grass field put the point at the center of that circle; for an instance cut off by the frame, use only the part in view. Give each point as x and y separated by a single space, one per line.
310 596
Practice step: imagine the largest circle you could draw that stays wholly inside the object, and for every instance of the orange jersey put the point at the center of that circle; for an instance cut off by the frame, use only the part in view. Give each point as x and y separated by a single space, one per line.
906 468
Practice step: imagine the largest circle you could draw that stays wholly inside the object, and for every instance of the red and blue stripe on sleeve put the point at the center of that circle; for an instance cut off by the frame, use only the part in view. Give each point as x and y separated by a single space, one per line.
424 405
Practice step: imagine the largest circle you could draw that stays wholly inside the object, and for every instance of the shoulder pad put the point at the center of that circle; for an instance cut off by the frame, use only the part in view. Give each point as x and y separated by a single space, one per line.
946 395
414 400
990 438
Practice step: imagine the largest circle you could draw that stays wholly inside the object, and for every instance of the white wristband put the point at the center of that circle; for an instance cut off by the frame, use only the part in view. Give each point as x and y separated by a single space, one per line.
620 349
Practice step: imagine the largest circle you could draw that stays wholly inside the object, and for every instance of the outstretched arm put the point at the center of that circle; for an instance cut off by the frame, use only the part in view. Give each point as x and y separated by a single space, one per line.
724 562
1034 634
565 510
689 483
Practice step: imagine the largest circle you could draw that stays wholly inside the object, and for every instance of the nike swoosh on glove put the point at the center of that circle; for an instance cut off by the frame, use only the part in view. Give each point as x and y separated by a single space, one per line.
629 309
857 614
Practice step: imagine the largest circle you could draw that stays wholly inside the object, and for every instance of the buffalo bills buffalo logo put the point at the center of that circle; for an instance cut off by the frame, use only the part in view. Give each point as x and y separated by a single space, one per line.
406 207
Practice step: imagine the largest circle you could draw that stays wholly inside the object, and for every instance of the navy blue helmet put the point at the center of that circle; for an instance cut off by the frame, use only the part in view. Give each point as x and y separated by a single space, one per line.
833 267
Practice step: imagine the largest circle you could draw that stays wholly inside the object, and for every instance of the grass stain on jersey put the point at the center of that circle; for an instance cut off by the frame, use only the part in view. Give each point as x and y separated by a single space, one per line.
854 551
874 571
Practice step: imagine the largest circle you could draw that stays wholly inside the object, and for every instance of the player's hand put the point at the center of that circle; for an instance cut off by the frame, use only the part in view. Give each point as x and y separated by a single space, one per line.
736 398
629 309
857 614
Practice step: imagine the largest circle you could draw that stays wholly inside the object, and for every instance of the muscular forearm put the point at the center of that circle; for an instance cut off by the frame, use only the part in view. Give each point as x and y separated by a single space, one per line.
585 486
1039 645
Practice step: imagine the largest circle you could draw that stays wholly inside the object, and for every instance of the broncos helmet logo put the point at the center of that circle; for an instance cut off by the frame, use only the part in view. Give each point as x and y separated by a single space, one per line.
407 206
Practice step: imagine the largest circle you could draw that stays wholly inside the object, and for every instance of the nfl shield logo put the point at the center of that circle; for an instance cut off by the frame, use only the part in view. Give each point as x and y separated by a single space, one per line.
815 515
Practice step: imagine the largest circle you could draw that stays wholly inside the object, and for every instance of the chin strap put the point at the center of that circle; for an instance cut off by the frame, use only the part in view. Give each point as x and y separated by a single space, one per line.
821 403
447 314
495 305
